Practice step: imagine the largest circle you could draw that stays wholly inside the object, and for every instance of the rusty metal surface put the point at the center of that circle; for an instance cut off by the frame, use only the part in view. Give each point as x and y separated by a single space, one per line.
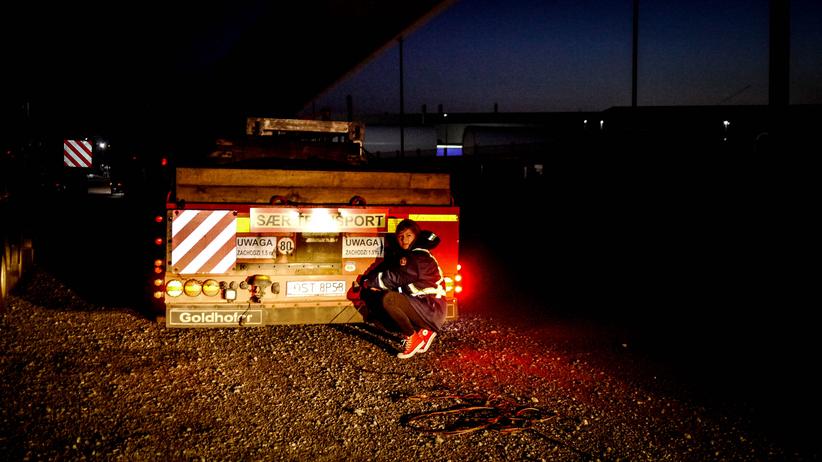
312 187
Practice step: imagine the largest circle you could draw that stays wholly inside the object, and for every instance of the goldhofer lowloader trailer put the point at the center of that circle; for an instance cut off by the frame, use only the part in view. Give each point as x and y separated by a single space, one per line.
253 247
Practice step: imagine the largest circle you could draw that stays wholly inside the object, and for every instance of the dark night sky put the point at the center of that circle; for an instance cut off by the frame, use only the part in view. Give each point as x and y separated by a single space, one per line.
91 67
576 55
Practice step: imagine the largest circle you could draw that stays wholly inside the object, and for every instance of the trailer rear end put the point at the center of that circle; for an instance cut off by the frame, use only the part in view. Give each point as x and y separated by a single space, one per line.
255 247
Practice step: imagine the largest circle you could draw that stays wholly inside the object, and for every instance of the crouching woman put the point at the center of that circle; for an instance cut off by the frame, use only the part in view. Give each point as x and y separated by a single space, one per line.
406 292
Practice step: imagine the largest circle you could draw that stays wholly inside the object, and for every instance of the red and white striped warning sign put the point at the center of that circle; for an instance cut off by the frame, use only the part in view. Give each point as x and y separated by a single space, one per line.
76 153
204 241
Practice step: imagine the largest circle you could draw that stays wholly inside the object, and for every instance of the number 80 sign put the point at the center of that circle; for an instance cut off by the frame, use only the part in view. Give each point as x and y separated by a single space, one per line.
285 246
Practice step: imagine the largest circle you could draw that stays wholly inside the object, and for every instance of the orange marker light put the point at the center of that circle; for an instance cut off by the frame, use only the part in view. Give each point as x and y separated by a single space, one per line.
192 288
211 288
174 288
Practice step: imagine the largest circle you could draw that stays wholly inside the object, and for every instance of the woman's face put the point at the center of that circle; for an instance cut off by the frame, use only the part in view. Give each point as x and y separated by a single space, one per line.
406 238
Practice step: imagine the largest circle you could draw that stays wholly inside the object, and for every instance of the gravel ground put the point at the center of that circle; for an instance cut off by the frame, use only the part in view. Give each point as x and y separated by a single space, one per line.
81 381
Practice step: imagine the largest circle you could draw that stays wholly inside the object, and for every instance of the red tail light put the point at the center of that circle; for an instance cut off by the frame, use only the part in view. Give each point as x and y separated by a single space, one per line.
458 280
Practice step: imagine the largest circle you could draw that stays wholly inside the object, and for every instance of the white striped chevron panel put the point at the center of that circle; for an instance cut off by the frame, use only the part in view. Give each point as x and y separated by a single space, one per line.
76 153
203 241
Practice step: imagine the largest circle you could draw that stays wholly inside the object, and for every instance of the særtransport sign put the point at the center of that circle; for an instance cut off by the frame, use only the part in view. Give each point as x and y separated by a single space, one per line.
317 220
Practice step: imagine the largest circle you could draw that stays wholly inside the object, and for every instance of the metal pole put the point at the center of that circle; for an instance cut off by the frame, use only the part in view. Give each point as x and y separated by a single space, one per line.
402 105
779 72
635 53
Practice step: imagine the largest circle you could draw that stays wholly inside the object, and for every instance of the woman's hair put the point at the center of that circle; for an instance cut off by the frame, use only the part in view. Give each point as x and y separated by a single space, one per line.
408 224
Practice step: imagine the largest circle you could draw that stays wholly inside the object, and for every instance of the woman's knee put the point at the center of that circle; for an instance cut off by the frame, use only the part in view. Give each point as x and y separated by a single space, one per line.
393 299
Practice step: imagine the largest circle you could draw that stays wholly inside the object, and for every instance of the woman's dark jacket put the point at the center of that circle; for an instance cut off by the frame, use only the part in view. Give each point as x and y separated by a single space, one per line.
416 274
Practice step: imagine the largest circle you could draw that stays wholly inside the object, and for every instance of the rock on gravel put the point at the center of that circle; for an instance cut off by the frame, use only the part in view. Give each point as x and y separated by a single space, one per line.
85 382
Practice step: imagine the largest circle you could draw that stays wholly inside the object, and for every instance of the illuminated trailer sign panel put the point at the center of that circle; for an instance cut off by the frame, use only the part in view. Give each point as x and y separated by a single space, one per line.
317 220
257 247
363 247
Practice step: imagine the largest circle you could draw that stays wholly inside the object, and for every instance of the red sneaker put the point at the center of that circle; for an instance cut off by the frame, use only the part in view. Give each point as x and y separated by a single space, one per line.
413 344
428 337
